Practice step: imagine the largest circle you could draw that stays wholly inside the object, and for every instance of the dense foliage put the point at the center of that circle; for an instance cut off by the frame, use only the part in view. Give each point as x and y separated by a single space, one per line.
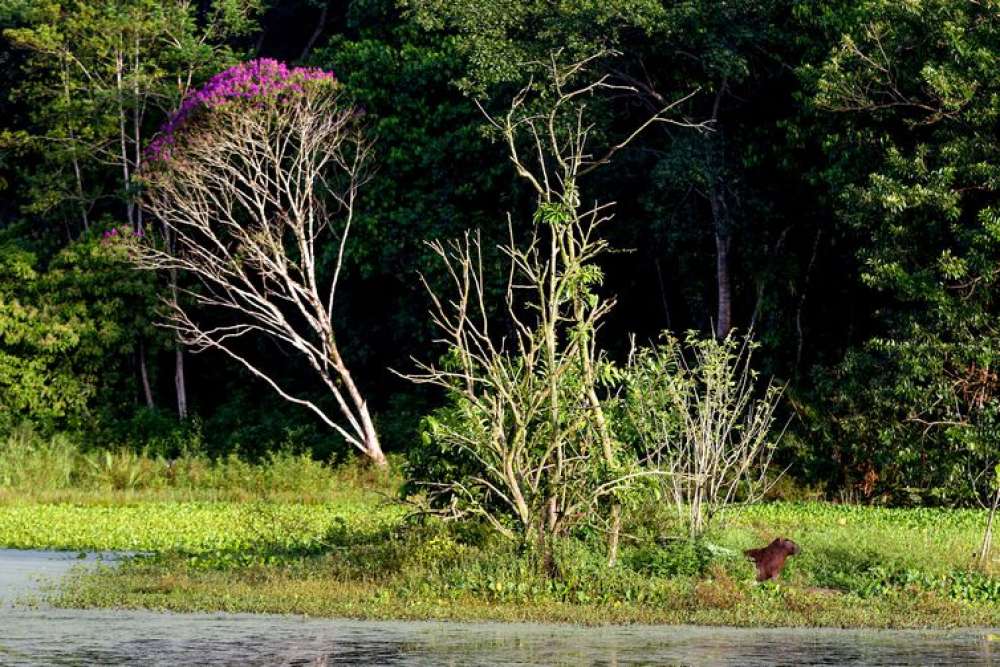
843 205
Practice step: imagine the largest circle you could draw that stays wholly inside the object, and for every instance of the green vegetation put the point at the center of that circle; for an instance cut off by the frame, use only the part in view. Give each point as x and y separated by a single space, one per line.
238 530
851 163
813 180
242 537
293 535
354 556
57 470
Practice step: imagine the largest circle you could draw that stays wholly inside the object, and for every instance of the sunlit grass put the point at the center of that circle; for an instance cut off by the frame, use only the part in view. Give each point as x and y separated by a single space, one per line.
357 555
34 469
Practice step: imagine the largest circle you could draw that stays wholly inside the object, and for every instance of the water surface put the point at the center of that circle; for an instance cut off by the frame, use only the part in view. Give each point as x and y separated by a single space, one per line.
45 636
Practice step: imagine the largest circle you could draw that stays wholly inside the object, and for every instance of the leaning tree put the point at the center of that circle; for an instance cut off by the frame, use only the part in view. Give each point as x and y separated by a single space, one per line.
253 175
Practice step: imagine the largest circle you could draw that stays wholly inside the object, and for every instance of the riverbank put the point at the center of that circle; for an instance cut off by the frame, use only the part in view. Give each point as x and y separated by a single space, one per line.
353 553
310 590
34 635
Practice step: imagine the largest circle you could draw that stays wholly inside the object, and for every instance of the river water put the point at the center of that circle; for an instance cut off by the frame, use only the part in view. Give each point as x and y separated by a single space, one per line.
38 635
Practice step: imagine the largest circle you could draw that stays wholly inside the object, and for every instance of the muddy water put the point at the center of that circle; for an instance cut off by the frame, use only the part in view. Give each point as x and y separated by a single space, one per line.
45 636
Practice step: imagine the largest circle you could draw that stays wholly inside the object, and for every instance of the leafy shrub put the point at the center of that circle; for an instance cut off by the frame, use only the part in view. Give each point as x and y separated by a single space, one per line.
676 558
699 418
120 469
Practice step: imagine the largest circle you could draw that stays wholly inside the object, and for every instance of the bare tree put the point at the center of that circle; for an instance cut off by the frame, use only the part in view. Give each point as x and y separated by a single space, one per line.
521 418
247 196
986 549
984 479
542 431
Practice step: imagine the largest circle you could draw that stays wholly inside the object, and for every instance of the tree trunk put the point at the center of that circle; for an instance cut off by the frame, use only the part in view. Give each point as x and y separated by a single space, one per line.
802 303
369 437
179 384
320 24
144 375
182 402
587 366
615 537
137 113
724 318
715 159
76 161
373 448
126 177
79 188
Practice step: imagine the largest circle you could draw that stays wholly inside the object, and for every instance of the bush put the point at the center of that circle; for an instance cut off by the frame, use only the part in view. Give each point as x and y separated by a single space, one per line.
700 419
676 558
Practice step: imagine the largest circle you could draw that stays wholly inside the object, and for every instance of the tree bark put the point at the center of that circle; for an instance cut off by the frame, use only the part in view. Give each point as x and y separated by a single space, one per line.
320 24
369 437
144 375
126 176
180 386
137 113
802 303
615 537
724 317
373 448
76 161
720 220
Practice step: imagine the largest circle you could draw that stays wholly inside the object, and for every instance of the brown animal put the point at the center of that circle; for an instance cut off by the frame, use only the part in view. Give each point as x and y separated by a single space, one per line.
771 558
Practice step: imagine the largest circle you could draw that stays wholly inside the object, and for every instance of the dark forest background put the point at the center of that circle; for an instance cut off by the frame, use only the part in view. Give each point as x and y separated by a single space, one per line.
844 204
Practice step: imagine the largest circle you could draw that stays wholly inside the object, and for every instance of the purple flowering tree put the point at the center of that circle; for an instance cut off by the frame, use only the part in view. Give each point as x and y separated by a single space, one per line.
252 176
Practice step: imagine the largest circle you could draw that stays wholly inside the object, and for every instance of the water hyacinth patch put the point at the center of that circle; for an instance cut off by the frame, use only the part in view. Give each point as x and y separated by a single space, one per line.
260 79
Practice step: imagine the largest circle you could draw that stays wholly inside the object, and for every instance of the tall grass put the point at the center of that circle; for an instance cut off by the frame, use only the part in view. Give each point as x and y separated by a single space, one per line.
27 460
57 468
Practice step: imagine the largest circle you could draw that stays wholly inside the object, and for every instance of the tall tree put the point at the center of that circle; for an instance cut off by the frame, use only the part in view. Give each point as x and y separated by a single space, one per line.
64 322
697 185
98 73
251 178
910 92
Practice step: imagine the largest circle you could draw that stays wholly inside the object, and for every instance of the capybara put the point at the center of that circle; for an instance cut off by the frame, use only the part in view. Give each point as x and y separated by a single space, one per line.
771 558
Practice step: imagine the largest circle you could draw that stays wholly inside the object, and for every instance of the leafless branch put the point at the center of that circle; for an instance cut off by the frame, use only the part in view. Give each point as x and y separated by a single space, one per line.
248 196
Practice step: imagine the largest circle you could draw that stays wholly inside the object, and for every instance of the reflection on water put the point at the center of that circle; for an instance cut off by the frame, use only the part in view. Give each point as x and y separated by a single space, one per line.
73 637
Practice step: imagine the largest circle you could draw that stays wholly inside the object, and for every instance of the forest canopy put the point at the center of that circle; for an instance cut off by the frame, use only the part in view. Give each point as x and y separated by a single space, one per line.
828 182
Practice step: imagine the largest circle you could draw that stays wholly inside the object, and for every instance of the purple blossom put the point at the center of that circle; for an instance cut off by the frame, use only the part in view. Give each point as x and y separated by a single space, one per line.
115 233
261 78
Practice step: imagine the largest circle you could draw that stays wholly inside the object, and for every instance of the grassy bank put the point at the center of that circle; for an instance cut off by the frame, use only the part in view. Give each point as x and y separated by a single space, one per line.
288 534
355 555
